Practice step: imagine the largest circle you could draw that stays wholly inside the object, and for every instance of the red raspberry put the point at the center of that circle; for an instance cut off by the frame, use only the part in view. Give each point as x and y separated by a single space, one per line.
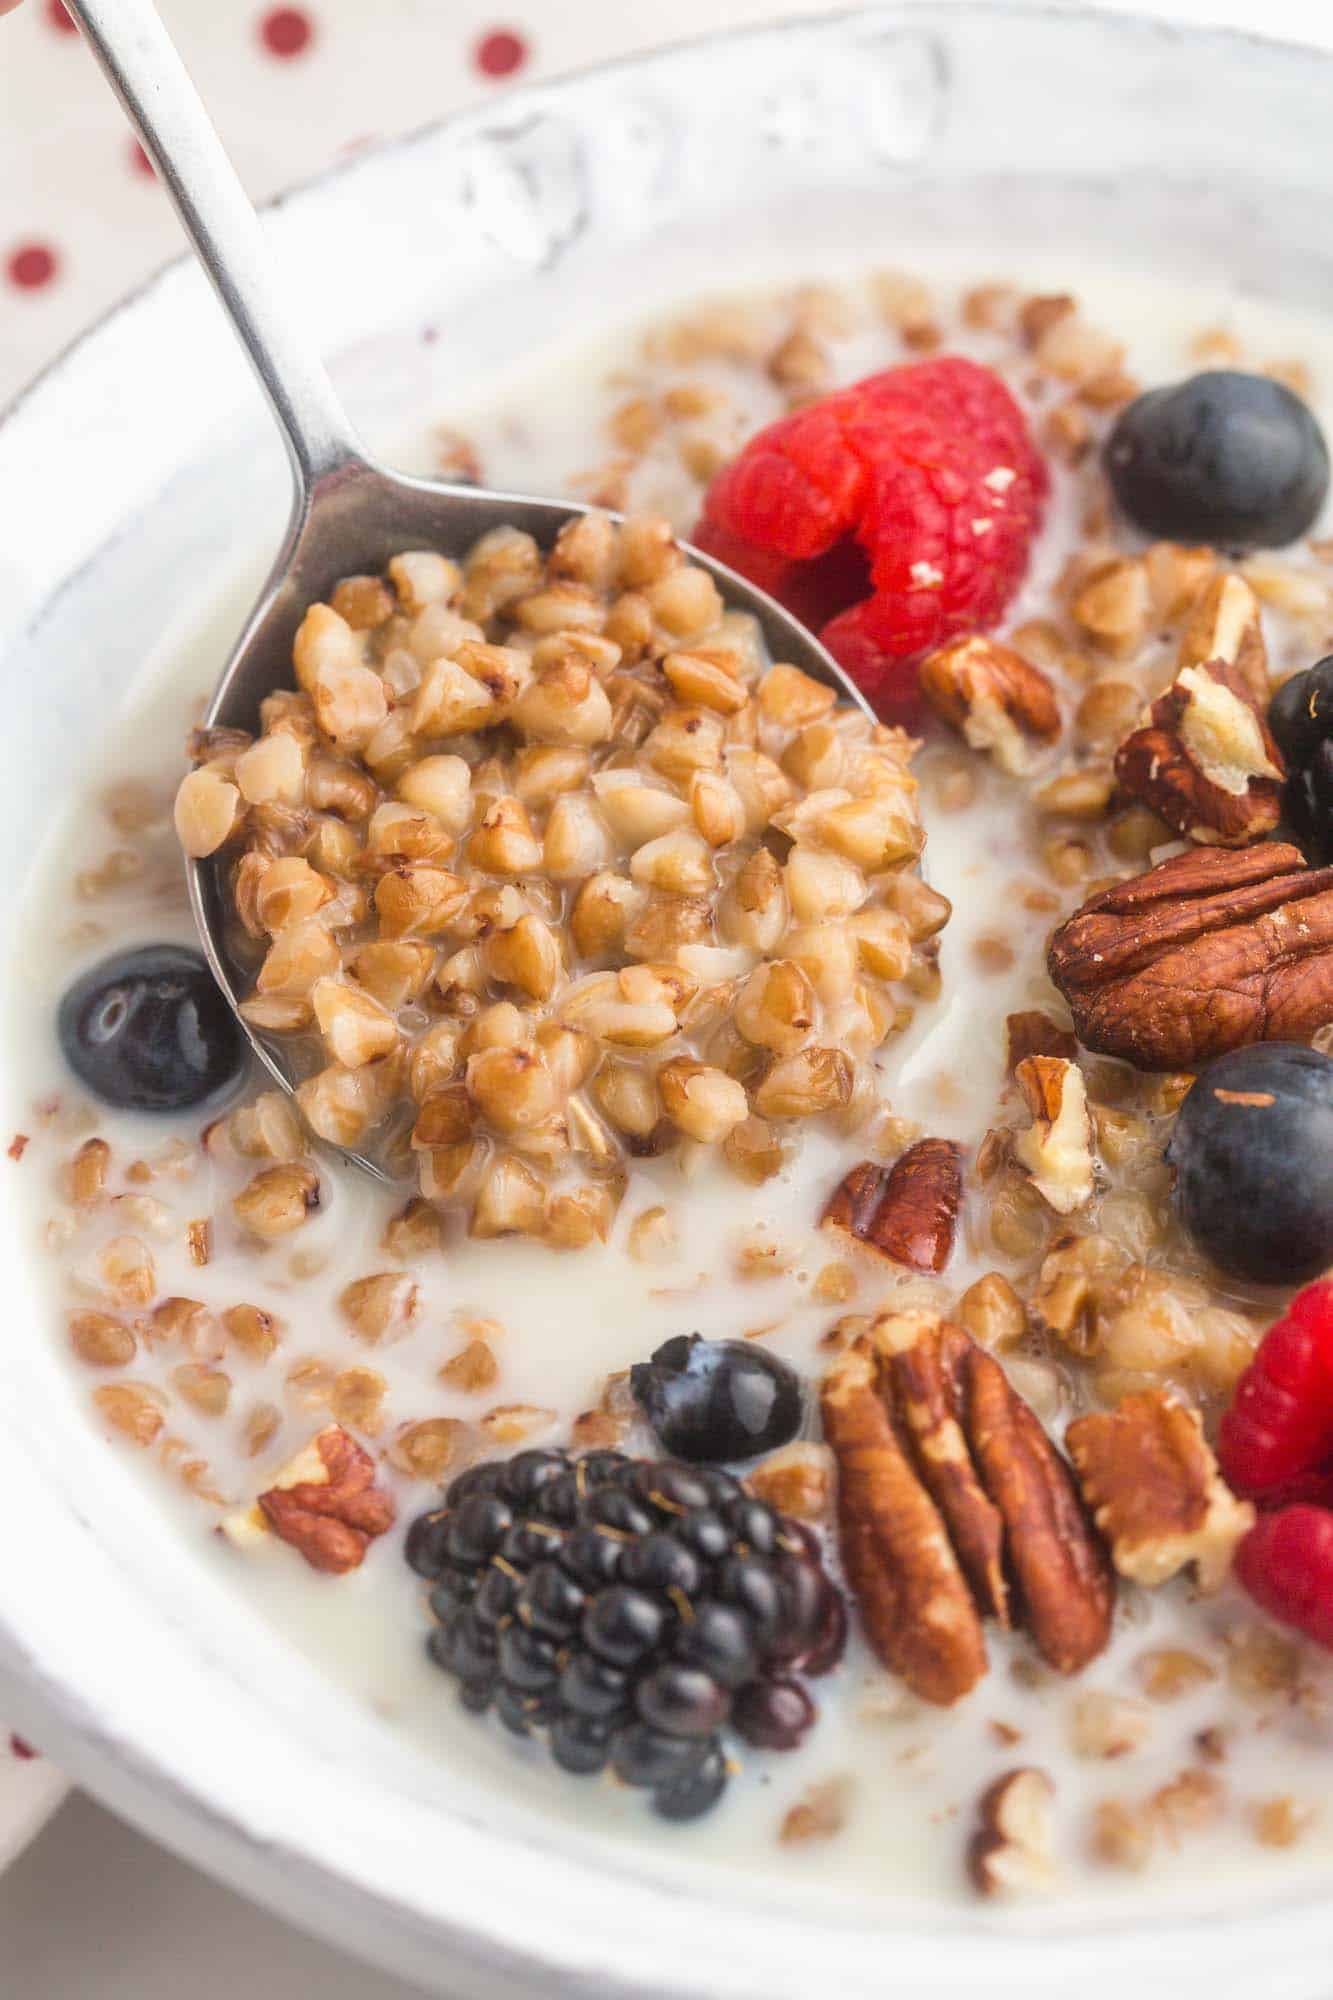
895 514
1276 1440
1286 1564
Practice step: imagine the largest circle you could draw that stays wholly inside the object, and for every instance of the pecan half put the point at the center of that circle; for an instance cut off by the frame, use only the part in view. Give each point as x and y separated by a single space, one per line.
324 1502
1204 761
1225 625
1056 1148
1207 952
993 697
1154 1489
906 1212
954 1505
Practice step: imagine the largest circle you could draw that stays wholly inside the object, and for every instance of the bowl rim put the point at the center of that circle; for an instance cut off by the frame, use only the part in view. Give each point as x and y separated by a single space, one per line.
144 1786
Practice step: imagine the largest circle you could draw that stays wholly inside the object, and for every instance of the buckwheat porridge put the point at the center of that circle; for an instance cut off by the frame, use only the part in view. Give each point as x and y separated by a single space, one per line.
820 1363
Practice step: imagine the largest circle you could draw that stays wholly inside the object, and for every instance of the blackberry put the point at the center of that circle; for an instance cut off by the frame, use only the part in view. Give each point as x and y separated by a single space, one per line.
628 1611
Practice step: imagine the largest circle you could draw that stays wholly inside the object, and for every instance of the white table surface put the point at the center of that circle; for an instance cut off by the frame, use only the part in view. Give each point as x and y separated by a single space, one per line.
92 1911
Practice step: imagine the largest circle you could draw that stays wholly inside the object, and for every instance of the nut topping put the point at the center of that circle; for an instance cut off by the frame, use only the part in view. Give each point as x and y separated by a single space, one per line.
1012 1853
1208 952
997 701
1225 626
1154 1489
324 1502
1056 1149
1204 761
1033 1033
947 1487
906 1212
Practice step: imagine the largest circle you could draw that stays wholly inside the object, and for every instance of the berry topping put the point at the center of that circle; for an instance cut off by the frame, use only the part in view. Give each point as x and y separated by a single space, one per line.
149 1030
717 1399
633 1646
1223 457
1286 1564
1253 1156
1276 1440
892 515
1300 716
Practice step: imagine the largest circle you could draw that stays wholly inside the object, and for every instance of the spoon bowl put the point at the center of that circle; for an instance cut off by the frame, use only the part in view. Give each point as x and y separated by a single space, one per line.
350 515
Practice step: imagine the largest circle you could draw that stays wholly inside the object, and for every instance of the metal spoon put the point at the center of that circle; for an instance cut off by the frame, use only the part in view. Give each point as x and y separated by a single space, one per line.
349 514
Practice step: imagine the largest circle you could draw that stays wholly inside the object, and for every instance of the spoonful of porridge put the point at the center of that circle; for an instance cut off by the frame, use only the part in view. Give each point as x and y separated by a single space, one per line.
480 799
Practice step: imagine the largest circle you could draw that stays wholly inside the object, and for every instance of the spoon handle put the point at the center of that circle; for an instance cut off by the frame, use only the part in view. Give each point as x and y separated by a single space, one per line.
142 65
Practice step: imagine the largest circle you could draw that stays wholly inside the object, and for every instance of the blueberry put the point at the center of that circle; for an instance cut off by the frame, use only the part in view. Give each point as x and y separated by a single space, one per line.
681 1701
149 1030
695 1790
1300 714
1253 1156
773 1713
1223 457
717 1399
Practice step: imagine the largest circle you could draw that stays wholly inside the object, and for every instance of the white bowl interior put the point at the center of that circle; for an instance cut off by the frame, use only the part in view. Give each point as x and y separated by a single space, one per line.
150 485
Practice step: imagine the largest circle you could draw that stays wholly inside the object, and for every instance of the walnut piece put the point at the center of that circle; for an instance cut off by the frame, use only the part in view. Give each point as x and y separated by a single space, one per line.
1012 1852
948 1489
997 701
907 1212
1204 761
1032 1033
1207 952
324 1502
1056 1148
1152 1484
1225 625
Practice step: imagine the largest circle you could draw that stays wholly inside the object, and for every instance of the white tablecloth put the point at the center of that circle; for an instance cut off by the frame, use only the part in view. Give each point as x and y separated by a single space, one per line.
91 1911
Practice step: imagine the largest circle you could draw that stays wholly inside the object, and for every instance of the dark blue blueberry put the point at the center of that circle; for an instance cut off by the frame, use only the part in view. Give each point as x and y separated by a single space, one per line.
718 1639
426 1549
695 1790
589 1686
1300 714
1224 457
622 1626
149 1030
681 1701
1253 1156
580 1745
717 1399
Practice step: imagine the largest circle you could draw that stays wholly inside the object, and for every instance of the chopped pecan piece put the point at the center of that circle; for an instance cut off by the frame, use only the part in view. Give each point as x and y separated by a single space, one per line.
1225 625
1204 761
1207 952
1013 1849
1056 1148
1033 1033
906 1212
948 1487
324 1502
1154 1489
993 697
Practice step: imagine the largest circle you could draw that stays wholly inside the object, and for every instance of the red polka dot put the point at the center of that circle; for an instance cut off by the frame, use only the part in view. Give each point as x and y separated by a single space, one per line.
286 31
19 1748
31 266
140 163
57 18
500 52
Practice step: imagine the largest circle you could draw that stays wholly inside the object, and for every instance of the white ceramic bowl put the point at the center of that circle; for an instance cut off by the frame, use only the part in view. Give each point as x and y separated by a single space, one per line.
139 476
